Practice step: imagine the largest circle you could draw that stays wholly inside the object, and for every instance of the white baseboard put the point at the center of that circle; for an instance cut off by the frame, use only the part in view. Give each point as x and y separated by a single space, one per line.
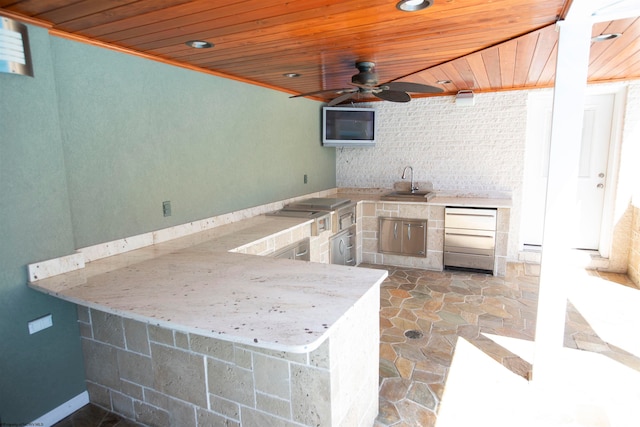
62 411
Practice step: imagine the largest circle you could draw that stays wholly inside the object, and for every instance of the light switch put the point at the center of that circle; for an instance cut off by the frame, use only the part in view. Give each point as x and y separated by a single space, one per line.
40 323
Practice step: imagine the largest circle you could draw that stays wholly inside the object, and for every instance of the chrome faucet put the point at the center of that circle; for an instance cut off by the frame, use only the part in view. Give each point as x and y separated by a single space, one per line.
404 176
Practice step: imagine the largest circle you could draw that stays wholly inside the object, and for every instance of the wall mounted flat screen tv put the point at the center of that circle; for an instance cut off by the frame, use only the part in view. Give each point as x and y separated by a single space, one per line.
348 127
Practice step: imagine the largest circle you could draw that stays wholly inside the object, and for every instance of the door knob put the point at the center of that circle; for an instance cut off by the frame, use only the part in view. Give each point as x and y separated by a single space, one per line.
600 185
601 175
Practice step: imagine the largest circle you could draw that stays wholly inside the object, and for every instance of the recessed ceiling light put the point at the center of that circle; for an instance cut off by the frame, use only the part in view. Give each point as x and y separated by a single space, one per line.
605 37
443 82
199 44
413 5
291 75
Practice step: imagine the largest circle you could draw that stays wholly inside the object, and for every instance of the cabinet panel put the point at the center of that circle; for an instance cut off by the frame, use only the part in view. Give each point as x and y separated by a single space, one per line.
471 218
343 247
296 251
403 236
414 238
469 238
390 236
479 242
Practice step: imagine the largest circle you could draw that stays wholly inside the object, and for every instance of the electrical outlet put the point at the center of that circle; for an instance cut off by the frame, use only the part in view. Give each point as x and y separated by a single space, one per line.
40 323
166 208
305 178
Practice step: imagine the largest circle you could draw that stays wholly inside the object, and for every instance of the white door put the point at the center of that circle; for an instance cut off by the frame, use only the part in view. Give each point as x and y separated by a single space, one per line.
596 135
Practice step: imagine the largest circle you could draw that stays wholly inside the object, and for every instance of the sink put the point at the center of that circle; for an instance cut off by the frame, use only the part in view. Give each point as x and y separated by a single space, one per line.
407 196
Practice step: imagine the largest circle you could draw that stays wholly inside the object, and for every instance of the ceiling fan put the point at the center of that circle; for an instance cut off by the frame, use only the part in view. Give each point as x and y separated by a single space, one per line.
366 83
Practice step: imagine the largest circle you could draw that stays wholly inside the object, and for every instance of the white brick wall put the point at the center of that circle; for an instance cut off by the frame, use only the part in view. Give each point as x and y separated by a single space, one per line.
477 150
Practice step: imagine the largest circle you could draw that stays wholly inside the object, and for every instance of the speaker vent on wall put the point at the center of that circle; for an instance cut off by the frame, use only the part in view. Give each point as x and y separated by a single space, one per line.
464 98
15 57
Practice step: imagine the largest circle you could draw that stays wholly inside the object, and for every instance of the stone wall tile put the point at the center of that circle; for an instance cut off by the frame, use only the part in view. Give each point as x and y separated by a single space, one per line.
413 211
320 357
85 330
136 336
182 414
181 339
435 239
123 405
160 335
135 368
212 347
273 405
271 376
300 233
370 223
370 245
206 418
283 239
130 389
154 398
437 213
83 314
310 395
242 357
261 247
179 374
225 407
101 363
292 357
253 418
99 395
230 382
503 220
368 209
150 415
107 328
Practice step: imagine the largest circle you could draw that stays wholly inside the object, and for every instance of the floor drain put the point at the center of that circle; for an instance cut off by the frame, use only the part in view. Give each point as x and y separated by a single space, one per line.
414 335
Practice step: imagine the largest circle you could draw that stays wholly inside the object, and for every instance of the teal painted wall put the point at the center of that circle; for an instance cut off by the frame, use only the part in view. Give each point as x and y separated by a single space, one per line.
41 371
138 132
91 147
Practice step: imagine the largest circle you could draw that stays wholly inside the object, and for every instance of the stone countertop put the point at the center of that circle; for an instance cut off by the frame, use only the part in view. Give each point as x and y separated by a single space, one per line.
463 201
438 198
193 284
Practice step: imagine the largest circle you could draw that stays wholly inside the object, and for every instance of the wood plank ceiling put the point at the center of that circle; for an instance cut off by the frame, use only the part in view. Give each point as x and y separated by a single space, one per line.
454 44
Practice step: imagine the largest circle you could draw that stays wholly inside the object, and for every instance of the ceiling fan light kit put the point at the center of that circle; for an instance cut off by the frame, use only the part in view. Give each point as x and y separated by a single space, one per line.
464 98
413 5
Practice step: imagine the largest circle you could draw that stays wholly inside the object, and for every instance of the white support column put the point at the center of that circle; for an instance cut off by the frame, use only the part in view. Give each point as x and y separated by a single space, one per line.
566 135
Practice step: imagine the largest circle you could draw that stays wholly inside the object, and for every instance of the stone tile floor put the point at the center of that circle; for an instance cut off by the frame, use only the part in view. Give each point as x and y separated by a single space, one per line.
422 315
424 312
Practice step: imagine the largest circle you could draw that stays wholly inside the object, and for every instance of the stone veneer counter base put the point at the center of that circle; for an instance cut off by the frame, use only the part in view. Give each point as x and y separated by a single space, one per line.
184 333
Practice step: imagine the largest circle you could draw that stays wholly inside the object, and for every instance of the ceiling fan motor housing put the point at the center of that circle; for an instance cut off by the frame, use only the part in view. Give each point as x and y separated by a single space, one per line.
366 76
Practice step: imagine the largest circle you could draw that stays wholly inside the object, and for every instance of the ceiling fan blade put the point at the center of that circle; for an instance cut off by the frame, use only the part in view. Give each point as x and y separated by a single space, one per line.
317 92
341 98
412 87
393 95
